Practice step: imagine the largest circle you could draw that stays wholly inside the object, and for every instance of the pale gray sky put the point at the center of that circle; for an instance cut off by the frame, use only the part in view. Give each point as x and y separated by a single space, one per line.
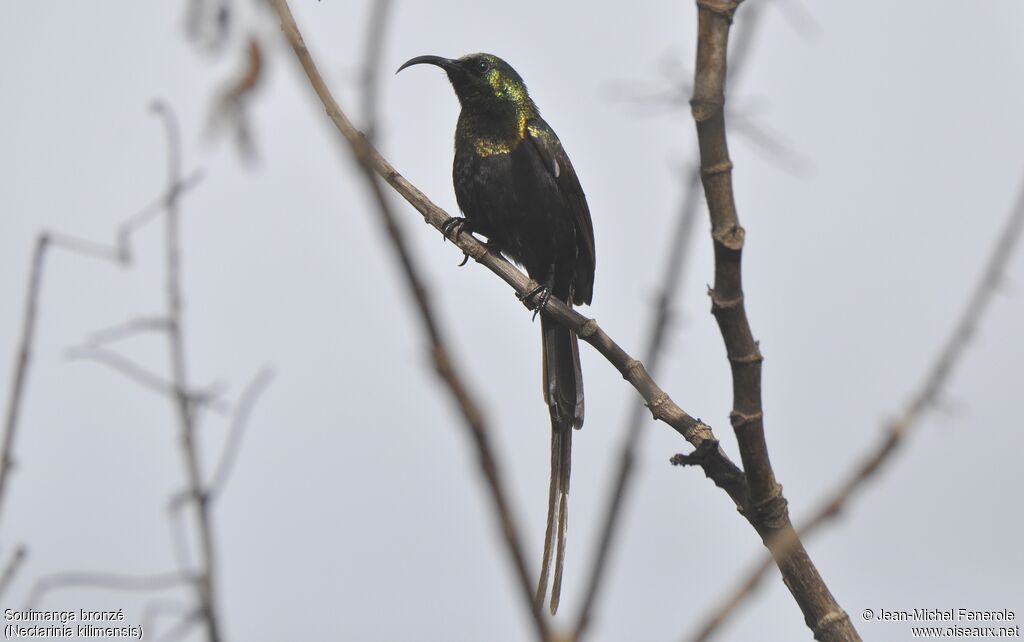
355 511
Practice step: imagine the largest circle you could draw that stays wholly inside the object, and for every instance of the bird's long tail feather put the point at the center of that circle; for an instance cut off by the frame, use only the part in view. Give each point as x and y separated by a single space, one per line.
563 392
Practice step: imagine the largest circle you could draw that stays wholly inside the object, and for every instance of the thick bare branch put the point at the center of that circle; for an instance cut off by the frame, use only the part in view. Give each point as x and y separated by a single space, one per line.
672 276
770 515
928 394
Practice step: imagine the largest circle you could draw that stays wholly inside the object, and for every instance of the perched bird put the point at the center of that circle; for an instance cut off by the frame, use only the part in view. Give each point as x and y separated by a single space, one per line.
516 186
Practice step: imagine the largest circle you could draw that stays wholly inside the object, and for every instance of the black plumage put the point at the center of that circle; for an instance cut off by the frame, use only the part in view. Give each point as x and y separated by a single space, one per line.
516 186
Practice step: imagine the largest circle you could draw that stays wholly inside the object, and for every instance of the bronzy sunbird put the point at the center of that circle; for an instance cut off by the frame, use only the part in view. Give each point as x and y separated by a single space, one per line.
516 186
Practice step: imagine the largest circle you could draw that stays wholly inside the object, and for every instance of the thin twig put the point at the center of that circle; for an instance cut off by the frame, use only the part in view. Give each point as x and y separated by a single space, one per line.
770 515
108 581
929 392
129 328
147 379
87 247
11 570
152 211
22 361
183 406
239 422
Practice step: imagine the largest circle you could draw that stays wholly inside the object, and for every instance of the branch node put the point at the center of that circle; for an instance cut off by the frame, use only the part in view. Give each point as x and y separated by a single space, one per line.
718 304
724 8
705 108
830 620
747 359
655 405
477 252
588 329
631 368
731 237
718 168
773 511
739 419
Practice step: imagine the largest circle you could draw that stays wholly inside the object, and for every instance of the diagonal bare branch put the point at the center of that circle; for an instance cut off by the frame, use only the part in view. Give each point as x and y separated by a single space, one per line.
721 470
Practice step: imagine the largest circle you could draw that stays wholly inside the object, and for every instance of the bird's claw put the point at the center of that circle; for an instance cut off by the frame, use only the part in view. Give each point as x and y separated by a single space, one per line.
453 228
543 294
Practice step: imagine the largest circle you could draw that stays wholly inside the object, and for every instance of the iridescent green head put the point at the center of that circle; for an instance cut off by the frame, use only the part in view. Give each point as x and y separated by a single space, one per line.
482 81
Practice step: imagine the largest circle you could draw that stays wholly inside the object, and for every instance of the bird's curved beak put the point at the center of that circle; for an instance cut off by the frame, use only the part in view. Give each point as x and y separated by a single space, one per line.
443 63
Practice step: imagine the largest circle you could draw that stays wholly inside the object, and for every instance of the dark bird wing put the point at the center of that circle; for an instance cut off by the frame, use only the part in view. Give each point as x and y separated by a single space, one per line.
543 139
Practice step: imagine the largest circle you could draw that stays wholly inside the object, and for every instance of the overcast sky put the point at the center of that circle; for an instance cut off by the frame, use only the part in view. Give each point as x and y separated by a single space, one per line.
355 510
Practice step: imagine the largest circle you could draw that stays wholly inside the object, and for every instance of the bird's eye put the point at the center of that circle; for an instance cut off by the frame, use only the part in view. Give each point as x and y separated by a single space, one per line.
482 66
